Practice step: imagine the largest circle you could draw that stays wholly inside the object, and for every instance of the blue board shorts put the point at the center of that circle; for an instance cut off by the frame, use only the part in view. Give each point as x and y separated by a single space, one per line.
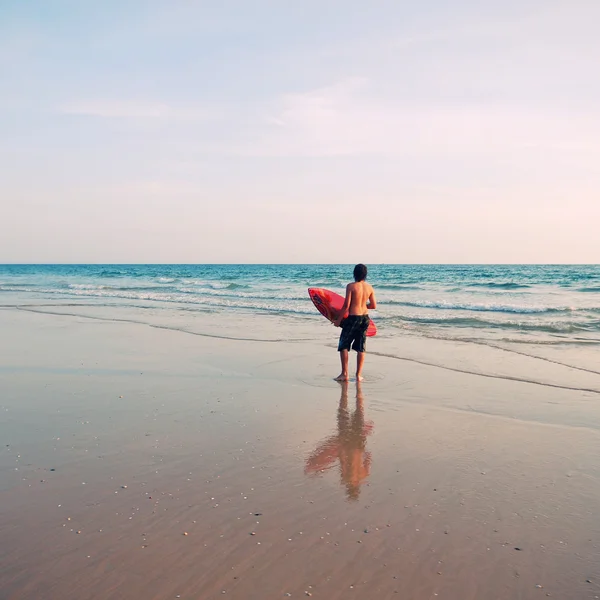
354 333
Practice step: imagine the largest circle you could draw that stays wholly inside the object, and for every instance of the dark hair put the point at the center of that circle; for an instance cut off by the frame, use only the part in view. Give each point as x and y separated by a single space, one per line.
360 272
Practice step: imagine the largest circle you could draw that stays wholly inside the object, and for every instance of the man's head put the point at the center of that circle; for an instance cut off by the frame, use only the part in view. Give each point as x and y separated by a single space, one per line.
360 272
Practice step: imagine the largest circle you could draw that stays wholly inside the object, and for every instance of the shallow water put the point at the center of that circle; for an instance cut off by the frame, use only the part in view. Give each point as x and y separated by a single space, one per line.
538 304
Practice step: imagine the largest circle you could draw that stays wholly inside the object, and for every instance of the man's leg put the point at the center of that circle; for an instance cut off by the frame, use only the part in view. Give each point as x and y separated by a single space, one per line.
360 361
360 345
344 360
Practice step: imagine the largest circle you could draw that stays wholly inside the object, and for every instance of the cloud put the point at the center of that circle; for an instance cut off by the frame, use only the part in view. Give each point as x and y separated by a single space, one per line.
126 109
351 118
155 187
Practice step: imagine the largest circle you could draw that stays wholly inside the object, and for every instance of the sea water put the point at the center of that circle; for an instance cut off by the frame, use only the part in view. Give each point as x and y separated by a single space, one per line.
539 304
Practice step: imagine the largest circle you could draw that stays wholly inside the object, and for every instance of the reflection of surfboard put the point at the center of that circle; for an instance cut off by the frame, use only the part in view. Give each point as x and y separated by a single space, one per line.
329 305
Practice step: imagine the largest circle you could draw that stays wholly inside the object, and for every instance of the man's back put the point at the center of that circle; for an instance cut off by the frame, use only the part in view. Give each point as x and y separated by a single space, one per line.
361 298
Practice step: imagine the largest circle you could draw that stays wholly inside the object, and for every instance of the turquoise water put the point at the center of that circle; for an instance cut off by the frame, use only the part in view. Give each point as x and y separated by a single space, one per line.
522 303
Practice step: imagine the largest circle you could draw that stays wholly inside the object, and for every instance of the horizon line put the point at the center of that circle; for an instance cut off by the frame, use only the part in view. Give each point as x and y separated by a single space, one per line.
171 264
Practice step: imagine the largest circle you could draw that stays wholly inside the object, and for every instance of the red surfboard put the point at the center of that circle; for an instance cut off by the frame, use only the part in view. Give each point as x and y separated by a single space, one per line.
329 304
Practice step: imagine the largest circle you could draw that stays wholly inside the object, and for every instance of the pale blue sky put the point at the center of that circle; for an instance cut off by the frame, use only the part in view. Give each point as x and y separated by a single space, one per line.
313 131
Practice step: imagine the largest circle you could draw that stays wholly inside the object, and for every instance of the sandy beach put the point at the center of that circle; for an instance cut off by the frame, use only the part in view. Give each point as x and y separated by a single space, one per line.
146 458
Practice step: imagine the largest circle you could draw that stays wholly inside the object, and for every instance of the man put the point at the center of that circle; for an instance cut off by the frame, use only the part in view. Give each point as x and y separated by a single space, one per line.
360 297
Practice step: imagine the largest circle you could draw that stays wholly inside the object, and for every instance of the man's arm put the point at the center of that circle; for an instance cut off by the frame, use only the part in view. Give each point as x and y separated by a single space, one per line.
345 307
372 301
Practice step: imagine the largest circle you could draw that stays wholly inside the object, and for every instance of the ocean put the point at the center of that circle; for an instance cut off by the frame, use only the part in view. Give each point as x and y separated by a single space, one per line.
534 304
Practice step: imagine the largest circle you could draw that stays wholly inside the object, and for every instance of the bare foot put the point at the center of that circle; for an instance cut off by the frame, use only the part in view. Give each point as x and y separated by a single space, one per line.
360 378
341 377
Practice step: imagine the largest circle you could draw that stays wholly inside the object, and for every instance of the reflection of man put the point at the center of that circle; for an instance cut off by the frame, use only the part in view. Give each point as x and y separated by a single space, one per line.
348 445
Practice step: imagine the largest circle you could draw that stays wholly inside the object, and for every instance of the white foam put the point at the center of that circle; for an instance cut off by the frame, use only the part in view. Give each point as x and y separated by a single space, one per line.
487 307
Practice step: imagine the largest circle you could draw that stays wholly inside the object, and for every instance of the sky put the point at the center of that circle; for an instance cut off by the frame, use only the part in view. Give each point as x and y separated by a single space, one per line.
316 131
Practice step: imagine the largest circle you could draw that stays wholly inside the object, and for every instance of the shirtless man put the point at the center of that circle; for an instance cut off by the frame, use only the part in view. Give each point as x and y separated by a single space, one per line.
360 297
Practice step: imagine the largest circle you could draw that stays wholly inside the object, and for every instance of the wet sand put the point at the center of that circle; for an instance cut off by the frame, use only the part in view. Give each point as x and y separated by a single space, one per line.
145 462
